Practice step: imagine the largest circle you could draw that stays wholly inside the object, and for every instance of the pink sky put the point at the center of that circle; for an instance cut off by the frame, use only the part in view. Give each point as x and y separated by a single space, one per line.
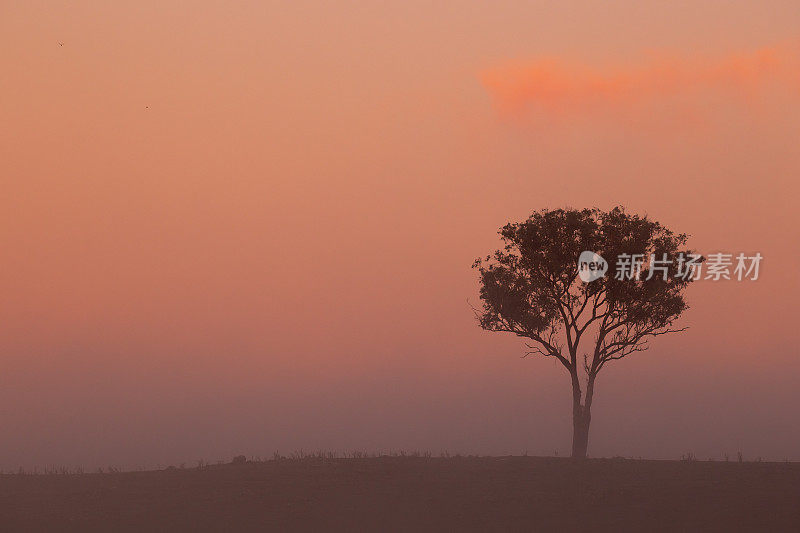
245 228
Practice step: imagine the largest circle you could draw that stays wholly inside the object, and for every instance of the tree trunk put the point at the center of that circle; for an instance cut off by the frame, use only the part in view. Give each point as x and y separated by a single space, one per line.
581 416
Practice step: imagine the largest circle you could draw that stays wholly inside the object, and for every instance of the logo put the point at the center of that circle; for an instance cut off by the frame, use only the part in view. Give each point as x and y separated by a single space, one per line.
591 266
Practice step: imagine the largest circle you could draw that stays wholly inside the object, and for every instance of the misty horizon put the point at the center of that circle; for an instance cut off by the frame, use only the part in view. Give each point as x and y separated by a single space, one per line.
254 235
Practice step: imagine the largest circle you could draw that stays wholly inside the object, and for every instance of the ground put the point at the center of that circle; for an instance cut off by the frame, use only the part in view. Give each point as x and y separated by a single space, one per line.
413 494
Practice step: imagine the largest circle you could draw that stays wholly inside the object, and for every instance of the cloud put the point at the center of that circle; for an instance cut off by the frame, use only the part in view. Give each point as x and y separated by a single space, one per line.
557 85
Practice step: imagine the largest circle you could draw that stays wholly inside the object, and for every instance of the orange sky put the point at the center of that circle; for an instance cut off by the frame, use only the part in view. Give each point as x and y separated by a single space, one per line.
246 228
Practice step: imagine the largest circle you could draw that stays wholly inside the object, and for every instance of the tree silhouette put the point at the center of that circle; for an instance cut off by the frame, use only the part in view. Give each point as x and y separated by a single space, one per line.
531 287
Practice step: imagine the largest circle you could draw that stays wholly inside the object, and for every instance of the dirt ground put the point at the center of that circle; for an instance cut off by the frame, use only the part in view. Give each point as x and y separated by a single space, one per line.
413 494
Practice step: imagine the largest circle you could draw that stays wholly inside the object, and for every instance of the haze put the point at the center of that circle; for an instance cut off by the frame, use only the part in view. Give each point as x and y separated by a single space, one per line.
246 227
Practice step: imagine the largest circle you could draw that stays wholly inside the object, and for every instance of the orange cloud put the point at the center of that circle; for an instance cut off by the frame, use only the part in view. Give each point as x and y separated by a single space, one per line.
557 85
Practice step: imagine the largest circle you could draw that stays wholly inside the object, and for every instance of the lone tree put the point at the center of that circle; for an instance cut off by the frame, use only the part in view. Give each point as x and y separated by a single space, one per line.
533 287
